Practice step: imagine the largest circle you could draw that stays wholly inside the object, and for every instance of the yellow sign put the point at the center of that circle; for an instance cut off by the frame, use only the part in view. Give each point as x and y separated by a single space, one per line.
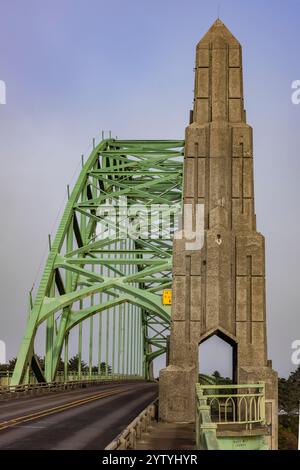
167 297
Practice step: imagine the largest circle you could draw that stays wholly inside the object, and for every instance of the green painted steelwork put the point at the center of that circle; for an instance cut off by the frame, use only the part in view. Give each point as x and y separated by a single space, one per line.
116 281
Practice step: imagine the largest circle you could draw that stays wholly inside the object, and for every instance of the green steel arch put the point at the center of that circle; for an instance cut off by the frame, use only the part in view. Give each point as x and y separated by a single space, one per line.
116 281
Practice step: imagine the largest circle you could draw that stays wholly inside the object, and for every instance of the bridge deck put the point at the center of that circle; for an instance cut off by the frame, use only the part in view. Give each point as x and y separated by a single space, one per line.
79 419
169 436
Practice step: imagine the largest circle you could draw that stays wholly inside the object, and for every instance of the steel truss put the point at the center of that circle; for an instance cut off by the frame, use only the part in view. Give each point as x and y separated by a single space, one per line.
114 281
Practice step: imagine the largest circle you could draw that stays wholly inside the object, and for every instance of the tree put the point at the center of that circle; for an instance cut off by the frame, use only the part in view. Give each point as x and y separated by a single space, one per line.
11 364
60 365
3 367
216 374
288 401
102 368
74 363
221 380
288 392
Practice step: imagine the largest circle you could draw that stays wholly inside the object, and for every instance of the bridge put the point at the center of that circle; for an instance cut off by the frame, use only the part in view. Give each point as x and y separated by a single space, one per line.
120 264
99 272
105 274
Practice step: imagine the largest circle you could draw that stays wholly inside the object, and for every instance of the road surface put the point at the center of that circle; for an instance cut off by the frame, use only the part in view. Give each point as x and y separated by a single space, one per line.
78 419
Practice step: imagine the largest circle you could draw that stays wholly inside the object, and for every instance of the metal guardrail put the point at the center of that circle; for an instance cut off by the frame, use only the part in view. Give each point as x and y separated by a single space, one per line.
5 377
127 439
17 391
235 404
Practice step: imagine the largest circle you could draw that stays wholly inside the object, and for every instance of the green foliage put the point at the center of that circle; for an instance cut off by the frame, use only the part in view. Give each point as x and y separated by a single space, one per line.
9 366
60 365
288 433
74 363
214 378
289 392
288 402
221 380
103 368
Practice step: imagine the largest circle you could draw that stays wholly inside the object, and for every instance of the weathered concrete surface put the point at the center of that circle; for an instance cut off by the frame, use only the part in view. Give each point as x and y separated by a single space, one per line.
219 289
168 436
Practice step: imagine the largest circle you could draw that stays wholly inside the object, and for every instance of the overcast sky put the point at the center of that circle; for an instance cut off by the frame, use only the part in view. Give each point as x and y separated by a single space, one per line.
75 67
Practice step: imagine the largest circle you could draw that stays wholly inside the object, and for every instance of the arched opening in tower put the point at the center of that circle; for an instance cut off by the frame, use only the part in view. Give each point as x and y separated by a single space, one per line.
217 358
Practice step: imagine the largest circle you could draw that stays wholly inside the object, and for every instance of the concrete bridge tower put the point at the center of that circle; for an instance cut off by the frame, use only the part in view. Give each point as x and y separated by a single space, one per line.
220 288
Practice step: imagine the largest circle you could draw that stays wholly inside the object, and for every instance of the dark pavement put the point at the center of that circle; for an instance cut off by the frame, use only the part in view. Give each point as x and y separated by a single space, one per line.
88 426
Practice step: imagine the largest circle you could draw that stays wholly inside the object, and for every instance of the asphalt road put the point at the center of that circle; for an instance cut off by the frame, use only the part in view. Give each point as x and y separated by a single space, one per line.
77 419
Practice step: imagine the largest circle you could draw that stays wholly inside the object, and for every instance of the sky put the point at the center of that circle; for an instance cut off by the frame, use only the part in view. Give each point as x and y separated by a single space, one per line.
73 68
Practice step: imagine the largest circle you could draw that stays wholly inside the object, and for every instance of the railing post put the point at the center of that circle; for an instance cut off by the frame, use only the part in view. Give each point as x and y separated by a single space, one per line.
262 403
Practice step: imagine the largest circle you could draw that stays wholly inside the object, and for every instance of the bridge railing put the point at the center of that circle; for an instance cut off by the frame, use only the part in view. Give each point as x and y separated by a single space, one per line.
17 391
240 405
5 377
234 404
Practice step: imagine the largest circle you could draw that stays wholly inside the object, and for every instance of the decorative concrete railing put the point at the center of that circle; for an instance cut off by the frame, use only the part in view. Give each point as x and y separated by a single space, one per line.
235 404
219 405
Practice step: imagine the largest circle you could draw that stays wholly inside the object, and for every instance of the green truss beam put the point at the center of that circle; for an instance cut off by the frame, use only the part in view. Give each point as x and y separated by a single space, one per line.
117 281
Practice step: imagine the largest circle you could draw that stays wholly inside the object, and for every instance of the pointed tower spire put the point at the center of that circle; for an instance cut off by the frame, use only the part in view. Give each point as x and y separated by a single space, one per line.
218 78
218 30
